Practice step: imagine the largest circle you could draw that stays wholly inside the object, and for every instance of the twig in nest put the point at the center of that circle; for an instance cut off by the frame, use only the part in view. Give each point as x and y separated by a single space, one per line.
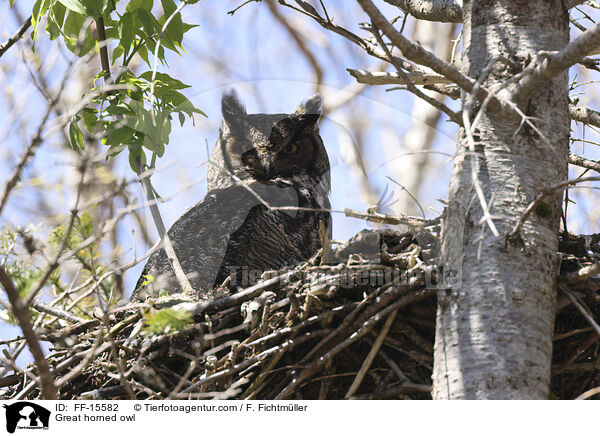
258 357
588 394
372 353
581 309
363 330
235 299
581 274
44 308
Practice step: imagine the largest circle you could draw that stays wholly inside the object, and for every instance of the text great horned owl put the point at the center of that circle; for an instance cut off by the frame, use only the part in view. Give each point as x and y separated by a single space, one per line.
277 160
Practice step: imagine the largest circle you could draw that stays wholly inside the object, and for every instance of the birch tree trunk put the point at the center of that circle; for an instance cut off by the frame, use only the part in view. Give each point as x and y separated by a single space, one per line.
494 326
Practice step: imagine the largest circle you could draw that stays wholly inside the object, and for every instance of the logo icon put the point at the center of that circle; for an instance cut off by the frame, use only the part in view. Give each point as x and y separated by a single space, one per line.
26 415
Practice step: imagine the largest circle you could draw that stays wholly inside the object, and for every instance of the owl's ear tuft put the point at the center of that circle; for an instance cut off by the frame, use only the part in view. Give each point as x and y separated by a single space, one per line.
231 106
312 106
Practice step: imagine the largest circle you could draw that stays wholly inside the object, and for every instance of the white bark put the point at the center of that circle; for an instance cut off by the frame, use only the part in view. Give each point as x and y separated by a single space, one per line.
494 326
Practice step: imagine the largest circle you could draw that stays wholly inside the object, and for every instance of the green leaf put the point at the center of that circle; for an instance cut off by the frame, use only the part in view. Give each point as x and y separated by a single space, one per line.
186 26
90 119
174 31
119 109
147 20
149 279
136 152
126 31
182 104
75 134
118 136
143 52
39 9
56 17
52 29
167 320
112 33
139 4
137 86
94 8
169 7
73 26
118 51
155 137
164 79
75 5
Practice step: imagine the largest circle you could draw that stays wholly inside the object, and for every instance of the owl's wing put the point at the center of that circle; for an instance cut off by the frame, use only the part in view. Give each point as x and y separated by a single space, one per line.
200 237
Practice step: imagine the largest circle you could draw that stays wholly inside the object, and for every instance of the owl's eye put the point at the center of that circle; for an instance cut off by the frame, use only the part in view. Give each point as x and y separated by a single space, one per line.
291 148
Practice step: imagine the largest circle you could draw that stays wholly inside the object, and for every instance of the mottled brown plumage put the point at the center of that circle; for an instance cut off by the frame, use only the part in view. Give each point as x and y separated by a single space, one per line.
260 160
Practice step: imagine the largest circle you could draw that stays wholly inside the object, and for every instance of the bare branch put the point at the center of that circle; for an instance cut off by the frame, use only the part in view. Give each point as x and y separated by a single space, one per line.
363 330
414 52
21 312
67 234
30 151
41 307
387 219
554 64
584 115
411 87
514 234
17 35
589 393
164 237
584 163
372 353
299 40
445 11
384 78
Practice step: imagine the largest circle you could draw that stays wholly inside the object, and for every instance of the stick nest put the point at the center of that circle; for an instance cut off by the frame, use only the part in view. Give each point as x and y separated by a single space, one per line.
361 326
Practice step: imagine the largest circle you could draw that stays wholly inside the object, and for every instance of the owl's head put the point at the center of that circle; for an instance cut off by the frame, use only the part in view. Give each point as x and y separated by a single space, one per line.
271 148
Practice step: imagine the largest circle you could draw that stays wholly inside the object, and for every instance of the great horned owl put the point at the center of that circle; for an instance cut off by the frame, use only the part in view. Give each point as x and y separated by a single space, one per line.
260 161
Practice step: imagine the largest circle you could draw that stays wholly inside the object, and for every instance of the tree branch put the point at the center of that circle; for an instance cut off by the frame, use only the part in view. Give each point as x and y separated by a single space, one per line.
411 86
584 163
554 64
418 54
299 40
103 47
17 35
164 237
514 234
21 312
445 11
584 115
384 78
